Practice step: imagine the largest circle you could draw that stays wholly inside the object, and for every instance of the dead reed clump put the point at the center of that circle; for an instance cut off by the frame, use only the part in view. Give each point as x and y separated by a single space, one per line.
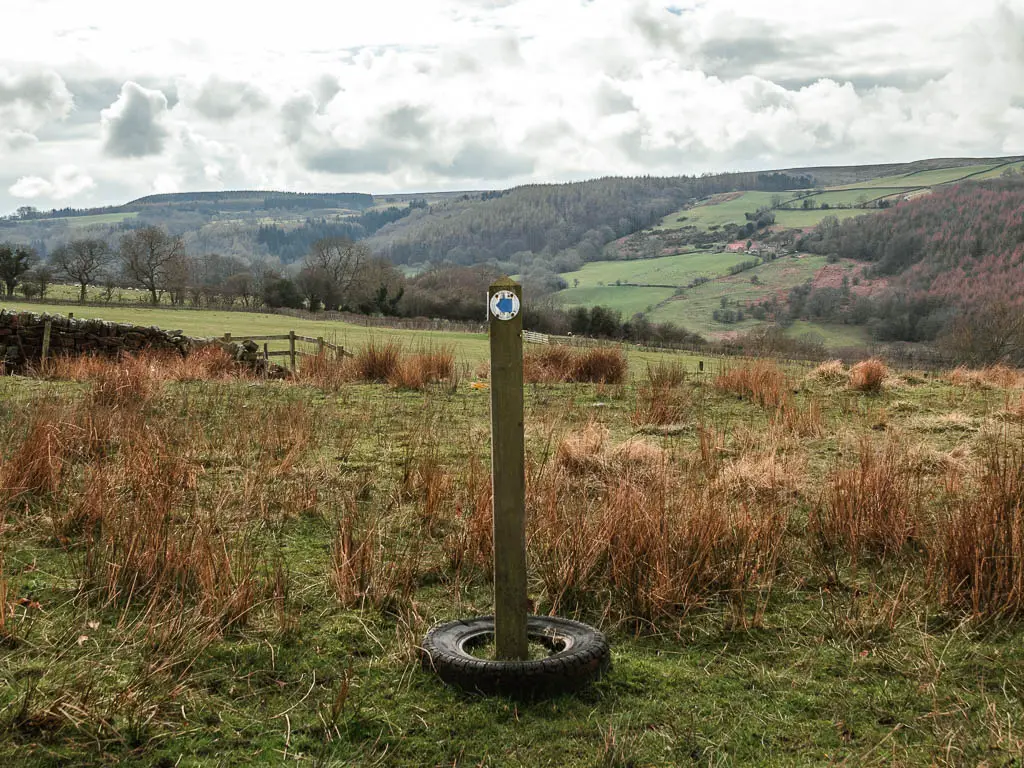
36 466
600 365
981 546
638 459
207 363
583 452
876 506
660 405
868 375
324 372
650 552
763 382
803 421
130 382
666 375
549 365
559 363
765 476
998 376
418 370
376 361
829 372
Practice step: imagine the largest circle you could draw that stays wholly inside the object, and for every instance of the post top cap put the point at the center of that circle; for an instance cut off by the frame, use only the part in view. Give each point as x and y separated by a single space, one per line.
505 282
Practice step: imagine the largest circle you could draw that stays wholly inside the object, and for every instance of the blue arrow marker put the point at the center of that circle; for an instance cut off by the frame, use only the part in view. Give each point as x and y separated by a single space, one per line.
506 305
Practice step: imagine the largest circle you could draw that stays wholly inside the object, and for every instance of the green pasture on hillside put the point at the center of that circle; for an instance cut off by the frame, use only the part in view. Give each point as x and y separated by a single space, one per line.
923 178
693 310
806 219
627 299
721 213
832 336
678 270
998 171
847 196
100 218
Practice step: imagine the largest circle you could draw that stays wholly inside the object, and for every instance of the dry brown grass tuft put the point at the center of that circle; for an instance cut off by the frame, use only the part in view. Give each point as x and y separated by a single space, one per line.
765 476
876 506
376 361
660 405
829 372
600 365
324 372
559 363
999 375
868 375
418 370
762 381
583 452
666 375
981 547
36 465
646 551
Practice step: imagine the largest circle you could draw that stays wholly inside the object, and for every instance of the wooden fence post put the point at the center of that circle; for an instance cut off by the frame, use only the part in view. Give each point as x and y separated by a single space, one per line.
46 340
291 349
320 346
227 338
508 470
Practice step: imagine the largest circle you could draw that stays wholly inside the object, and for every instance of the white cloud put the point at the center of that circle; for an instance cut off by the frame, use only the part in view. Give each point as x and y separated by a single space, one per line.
135 124
67 182
412 95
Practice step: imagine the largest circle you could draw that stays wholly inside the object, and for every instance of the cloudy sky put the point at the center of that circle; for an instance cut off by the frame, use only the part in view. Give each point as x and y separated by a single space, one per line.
104 101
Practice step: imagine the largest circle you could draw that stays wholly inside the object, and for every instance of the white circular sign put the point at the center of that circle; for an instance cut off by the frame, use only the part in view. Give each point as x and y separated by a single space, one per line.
504 305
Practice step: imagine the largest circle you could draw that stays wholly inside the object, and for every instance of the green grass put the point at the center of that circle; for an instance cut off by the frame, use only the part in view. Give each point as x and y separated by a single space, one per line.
847 197
204 323
678 270
626 299
806 219
922 178
100 218
694 309
708 215
854 666
832 336
996 172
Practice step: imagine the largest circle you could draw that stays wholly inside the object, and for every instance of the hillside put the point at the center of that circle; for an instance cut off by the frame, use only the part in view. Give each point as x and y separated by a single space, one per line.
924 221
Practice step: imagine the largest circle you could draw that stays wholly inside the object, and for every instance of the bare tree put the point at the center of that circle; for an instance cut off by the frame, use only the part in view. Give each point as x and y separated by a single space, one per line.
338 262
84 260
151 258
15 261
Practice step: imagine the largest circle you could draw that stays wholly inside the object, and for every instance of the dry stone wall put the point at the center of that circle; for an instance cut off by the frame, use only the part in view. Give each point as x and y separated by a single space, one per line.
21 341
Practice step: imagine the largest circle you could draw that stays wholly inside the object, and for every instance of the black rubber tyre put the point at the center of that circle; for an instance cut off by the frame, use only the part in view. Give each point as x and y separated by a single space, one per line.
580 654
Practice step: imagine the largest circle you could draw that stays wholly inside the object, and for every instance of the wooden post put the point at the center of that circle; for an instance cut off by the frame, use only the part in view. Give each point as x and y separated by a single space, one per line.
46 340
320 346
266 352
227 338
291 349
508 469
71 315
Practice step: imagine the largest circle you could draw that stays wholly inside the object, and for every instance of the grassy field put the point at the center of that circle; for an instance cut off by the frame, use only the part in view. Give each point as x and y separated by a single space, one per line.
809 219
99 218
922 178
237 573
626 299
996 172
693 310
832 336
678 270
731 209
205 323
848 197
